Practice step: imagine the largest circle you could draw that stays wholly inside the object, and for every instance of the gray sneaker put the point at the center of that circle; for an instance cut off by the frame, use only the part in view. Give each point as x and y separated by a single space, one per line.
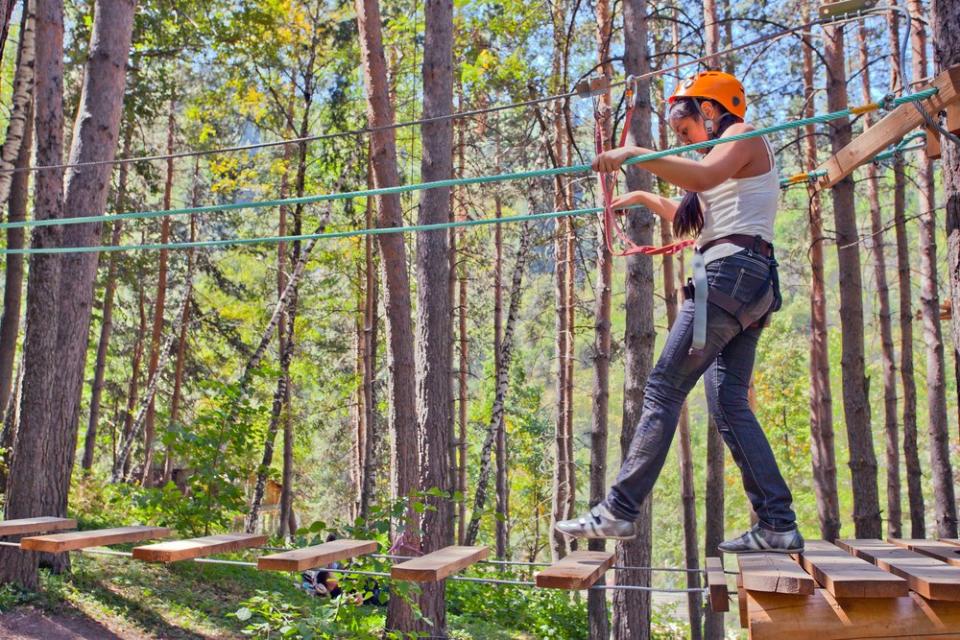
598 523
760 540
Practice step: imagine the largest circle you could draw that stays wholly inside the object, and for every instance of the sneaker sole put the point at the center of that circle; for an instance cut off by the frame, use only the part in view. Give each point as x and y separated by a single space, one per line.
746 551
571 536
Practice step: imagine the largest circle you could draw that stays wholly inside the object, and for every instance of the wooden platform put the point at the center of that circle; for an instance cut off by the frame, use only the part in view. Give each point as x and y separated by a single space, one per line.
177 550
861 589
717 582
942 551
578 570
439 564
42 524
61 542
317 556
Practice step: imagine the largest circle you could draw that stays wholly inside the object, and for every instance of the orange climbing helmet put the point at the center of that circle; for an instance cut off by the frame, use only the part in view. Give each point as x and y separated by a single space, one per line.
714 85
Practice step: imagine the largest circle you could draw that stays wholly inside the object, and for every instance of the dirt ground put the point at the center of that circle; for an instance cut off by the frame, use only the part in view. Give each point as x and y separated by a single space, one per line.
27 623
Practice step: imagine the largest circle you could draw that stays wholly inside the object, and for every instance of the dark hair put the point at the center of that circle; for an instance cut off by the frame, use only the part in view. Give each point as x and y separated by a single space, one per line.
688 220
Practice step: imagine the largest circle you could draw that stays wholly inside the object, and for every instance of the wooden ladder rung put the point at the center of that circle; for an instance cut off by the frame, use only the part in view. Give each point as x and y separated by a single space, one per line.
42 524
316 556
577 570
61 542
176 550
846 576
774 573
438 565
717 581
930 578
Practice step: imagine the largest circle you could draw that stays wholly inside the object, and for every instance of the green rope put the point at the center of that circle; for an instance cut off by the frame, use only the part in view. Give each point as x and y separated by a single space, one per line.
522 175
331 235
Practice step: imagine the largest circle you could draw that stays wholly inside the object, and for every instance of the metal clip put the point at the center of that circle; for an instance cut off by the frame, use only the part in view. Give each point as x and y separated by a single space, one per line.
886 103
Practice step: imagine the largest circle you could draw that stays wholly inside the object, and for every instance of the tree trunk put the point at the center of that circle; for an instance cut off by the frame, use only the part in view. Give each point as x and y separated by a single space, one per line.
713 493
279 395
6 12
891 427
503 380
503 485
434 326
821 399
400 360
940 467
599 428
632 609
159 303
371 437
106 323
856 404
19 119
33 491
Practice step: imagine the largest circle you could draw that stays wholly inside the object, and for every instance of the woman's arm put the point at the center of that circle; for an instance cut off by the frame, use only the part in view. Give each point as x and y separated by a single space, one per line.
722 163
663 207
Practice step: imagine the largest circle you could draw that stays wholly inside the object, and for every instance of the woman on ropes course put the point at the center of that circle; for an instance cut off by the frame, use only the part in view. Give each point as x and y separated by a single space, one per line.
729 207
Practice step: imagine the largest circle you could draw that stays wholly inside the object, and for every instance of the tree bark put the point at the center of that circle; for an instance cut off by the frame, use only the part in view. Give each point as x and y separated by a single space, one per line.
16 151
106 322
31 491
887 356
503 486
599 428
821 398
370 338
945 504
400 359
434 326
632 609
856 404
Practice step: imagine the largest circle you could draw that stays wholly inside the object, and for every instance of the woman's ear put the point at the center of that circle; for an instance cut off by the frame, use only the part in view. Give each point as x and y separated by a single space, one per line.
709 110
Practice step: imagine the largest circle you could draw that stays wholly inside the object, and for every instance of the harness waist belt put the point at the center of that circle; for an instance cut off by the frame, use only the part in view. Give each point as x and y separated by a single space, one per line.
753 243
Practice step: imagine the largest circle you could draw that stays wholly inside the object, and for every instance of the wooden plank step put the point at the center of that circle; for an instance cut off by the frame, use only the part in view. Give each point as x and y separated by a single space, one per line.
774 616
436 566
942 551
578 570
176 550
775 573
930 578
847 576
717 581
317 556
61 542
35 525
954 541
742 603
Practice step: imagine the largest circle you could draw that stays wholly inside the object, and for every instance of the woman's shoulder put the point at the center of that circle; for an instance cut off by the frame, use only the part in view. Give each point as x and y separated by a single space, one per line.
739 127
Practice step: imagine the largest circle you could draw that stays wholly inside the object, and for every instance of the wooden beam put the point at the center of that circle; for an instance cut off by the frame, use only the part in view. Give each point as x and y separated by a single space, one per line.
578 570
35 525
932 143
775 573
742 603
930 578
820 616
953 541
61 542
439 564
896 124
717 581
847 576
317 556
177 550
942 551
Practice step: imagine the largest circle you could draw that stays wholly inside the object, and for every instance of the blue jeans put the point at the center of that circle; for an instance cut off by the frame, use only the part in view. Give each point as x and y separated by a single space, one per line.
727 360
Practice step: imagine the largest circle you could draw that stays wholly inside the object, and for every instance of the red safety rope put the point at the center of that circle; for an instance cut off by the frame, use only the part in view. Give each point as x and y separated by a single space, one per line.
611 224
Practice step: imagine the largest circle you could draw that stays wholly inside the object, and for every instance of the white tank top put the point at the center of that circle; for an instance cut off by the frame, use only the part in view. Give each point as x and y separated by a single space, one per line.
740 205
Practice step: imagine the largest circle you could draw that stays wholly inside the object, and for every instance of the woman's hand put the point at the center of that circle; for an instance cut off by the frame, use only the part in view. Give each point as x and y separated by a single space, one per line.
610 161
623 201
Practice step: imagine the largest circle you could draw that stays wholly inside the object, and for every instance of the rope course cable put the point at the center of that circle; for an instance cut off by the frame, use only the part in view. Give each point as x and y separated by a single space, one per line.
483 179
383 574
832 20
